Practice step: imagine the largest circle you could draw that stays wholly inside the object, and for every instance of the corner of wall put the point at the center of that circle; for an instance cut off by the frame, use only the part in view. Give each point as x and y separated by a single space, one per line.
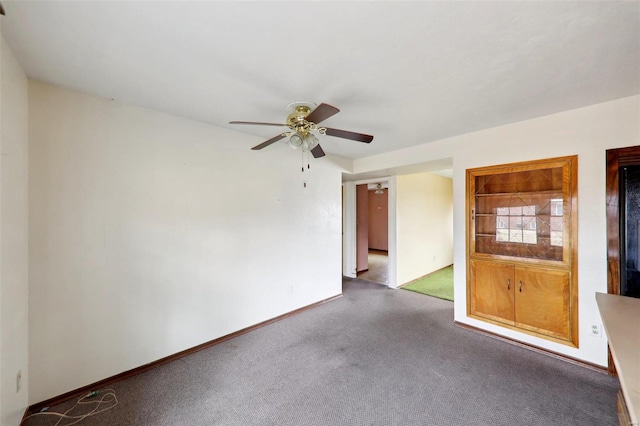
1 280
13 238
345 164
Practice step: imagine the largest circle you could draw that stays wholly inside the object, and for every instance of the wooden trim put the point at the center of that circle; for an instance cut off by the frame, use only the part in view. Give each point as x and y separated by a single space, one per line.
522 166
613 232
143 368
573 251
534 348
541 335
470 229
623 412
419 278
611 363
613 221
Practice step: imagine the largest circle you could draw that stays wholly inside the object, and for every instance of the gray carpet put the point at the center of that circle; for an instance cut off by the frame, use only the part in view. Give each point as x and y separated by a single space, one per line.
373 357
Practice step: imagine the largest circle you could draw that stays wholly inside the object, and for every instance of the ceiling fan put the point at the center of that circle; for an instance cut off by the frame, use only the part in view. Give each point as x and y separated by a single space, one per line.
302 122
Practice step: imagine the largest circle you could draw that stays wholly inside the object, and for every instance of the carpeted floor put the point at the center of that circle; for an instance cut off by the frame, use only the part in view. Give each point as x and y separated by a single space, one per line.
437 284
373 357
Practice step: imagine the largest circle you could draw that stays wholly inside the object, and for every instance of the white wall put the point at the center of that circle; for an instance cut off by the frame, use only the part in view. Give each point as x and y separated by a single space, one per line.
151 234
13 237
587 132
424 221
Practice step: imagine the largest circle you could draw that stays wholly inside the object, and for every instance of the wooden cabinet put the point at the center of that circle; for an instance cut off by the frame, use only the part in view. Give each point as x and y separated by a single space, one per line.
522 264
542 301
492 291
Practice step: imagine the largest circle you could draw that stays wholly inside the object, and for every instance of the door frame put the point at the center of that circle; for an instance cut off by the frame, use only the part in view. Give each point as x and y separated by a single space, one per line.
349 227
616 158
362 228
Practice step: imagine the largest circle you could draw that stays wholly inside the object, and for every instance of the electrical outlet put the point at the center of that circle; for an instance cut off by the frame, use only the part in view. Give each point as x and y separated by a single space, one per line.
18 381
596 330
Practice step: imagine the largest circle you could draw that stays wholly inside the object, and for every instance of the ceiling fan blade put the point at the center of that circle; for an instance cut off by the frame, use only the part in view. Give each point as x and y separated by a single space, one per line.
321 113
255 123
1 9
317 151
268 142
345 134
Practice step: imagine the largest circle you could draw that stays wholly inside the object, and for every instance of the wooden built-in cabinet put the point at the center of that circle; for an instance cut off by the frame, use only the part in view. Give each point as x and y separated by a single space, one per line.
521 239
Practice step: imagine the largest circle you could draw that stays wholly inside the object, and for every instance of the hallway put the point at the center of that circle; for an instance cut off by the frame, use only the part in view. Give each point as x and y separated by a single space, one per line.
378 271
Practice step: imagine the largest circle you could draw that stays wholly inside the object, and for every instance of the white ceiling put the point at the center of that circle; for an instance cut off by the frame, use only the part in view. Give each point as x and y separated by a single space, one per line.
405 72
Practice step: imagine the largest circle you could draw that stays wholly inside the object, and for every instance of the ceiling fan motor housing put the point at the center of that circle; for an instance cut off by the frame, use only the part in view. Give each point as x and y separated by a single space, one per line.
296 120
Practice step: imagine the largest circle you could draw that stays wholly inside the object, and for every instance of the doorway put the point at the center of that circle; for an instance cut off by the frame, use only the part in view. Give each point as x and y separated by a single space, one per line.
379 258
623 221
629 228
372 232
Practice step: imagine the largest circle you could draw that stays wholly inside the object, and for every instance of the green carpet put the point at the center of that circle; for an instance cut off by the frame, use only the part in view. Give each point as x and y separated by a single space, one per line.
437 284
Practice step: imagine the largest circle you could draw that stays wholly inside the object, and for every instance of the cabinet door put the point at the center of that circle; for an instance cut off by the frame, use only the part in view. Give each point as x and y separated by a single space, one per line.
492 291
543 302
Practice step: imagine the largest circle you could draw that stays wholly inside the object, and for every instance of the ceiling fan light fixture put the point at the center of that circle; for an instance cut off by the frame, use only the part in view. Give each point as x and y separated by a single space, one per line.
296 141
311 141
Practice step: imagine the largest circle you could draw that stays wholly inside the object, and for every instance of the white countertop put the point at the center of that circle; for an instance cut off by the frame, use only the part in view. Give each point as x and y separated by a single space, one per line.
621 318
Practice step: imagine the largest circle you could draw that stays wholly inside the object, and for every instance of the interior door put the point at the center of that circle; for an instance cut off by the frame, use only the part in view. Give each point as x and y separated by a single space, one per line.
379 220
630 230
362 228
492 291
543 301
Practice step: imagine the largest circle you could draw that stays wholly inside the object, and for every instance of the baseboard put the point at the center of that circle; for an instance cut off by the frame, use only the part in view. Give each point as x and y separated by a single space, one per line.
419 278
135 371
562 357
624 418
